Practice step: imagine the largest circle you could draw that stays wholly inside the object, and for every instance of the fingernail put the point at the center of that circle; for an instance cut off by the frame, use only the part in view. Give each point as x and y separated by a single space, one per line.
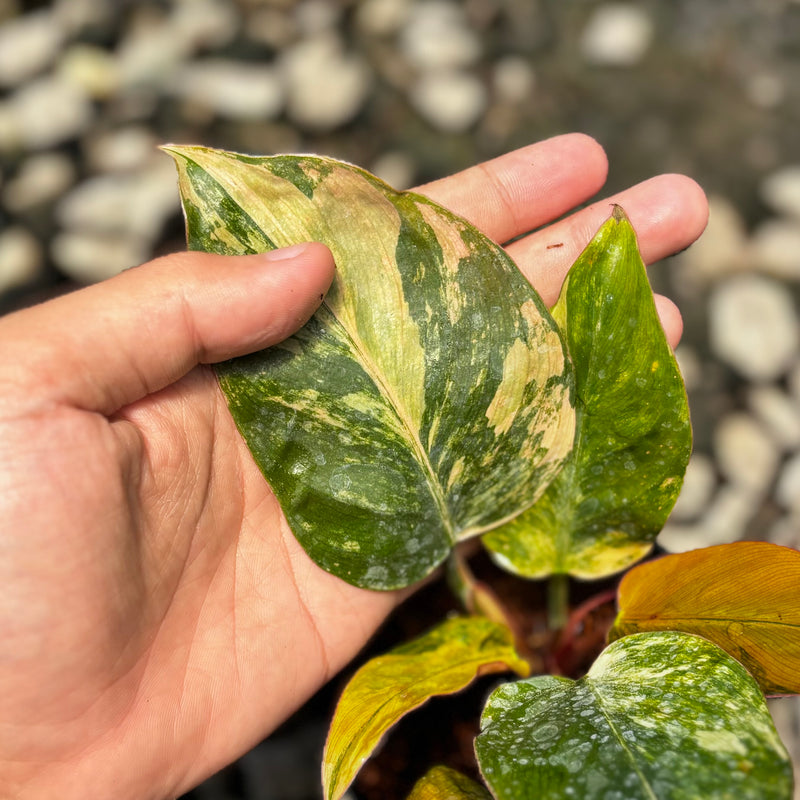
283 253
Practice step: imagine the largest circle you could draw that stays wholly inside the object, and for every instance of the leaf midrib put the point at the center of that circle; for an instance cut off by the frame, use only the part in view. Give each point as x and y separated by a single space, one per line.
372 371
695 619
643 779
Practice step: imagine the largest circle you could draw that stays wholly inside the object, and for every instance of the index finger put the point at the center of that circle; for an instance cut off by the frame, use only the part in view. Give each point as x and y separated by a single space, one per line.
526 188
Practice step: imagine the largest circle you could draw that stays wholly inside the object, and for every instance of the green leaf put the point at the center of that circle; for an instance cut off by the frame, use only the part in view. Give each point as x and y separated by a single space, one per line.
427 401
660 715
443 661
443 783
633 435
742 596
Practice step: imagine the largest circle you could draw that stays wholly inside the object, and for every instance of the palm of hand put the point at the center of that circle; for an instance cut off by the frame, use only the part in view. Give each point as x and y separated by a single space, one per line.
160 616
176 581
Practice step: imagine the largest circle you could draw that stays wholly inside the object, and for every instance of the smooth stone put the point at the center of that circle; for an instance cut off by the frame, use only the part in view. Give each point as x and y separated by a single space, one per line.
205 24
273 27
382 17
778 412
690 365
698 488
395 168
617 34
775 248
781 190
21 258
720 251
513 80
725 521
44 113
437 37
87 257
785 531
452 102
148 53
75 16
125 149
40 180
28 45
316 16
746 454
787 492
766 90
134 204
326 87
151 50
753 327
92 68
232 89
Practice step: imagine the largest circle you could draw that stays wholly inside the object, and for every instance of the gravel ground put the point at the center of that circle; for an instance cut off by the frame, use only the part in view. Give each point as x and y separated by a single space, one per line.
416 89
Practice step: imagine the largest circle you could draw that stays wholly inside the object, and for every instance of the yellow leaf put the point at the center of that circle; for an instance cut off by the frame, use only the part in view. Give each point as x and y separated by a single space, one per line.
442 661
744 597
443 783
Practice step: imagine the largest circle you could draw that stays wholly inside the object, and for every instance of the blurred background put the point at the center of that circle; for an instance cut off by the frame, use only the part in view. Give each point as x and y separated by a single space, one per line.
414 90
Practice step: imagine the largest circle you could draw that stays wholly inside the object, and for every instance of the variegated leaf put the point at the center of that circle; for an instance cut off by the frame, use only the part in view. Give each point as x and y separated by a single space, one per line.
660 716
633 436
428 399
442 661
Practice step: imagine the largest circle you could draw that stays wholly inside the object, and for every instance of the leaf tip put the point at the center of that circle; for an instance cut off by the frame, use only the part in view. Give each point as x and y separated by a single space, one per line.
618 213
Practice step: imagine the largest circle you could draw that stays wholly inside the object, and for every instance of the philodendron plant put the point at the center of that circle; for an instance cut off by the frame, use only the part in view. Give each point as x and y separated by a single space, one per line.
432 399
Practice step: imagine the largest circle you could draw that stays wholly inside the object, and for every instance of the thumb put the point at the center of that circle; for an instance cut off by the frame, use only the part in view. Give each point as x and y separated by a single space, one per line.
108 345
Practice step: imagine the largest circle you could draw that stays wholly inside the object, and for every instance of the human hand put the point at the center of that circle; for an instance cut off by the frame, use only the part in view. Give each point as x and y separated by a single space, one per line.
159 617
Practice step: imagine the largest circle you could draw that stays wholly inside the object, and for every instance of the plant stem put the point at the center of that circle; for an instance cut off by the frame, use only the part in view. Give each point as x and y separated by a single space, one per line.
557 602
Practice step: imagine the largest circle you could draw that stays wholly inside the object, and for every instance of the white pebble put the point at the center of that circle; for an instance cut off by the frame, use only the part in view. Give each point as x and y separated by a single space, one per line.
753 327
155 47
121 150
273 27
396 168
513 80
617 34
94 69
231 89
382 17
451 101
326 87
73 16
40 179
779 413
437 37
90 257
316 16
28 45
765 89
134 204
747 456
200 24
43 113
787 492
775 248
786 531
698 488
720 250
690 365
20 258
725 521
781 190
